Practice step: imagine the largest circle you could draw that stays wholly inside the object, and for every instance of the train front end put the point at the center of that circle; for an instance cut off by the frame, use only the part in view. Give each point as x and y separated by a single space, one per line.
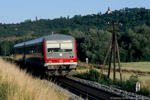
60 55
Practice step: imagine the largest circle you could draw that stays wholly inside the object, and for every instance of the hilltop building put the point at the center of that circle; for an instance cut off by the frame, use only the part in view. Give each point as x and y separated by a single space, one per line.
108 11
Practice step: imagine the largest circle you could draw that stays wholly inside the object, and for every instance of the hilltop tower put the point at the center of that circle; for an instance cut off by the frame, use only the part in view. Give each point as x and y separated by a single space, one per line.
108 11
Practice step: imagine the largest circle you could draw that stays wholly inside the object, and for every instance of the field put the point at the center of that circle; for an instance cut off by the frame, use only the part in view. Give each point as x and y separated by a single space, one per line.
16 84
142 66
141 69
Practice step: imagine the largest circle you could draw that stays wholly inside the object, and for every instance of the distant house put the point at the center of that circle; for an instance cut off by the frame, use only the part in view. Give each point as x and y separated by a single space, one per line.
108 11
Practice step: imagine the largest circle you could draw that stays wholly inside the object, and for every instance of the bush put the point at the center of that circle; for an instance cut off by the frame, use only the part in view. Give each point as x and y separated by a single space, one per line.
130 84
105 80
92 75
145 92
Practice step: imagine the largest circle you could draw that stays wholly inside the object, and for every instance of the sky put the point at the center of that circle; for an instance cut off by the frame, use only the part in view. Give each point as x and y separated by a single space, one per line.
16 11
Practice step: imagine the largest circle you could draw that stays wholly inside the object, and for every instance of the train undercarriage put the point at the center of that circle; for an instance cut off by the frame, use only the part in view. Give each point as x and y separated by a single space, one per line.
60 70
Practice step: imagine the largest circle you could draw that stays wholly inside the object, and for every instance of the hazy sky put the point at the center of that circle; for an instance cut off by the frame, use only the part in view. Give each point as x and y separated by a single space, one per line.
16 11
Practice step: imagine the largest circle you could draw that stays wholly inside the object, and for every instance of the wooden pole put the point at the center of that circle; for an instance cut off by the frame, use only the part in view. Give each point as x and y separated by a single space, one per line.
105 59
114 48
120 70
110 62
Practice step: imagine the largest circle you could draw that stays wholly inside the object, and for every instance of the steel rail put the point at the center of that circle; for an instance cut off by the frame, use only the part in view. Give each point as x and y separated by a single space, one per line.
86 90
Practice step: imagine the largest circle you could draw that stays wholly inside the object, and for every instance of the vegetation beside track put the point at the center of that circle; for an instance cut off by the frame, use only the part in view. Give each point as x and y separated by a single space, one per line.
87 72
15 84
141 69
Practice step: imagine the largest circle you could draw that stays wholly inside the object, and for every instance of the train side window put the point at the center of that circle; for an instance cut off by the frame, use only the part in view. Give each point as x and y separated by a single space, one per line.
18 51
42 49
38 48
31 52
27 50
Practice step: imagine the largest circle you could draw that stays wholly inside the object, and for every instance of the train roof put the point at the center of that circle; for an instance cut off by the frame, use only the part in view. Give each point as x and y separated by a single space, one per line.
38 40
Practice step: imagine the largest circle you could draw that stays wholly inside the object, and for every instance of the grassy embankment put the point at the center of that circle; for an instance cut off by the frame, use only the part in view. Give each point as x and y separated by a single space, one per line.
16 84
140 69
131 75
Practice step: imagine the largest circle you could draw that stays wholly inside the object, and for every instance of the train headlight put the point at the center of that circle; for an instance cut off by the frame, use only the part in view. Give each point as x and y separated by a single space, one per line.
71 61
60 54
50 61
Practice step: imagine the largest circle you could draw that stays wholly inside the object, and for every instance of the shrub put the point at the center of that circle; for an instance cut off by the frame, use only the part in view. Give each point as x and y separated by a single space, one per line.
105 80
130 84
145 92
92 75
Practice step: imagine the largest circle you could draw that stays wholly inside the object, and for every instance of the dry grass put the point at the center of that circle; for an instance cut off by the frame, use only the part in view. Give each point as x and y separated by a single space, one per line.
15 84
143 66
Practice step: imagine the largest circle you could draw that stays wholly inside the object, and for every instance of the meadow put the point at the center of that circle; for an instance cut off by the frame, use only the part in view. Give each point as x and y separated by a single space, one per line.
140 69
142 66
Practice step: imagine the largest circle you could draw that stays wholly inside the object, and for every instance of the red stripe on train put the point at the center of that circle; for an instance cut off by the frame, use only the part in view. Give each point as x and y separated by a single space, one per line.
44 50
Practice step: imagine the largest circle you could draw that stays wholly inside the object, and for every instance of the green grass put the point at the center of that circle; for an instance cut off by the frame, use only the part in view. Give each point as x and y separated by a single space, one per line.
143 66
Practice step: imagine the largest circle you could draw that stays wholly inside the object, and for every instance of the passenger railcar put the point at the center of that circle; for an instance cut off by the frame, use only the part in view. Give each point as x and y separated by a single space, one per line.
56 53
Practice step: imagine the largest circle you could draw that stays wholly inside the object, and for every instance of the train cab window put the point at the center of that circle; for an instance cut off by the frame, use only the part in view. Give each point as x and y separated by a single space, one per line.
63 46
53 47
66 47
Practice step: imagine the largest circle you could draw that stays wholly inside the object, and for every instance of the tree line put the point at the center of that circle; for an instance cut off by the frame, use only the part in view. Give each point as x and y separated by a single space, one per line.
91 32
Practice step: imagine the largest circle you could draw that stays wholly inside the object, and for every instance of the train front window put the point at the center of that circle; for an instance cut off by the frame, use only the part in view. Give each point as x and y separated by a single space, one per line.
53 47
63 46
66 47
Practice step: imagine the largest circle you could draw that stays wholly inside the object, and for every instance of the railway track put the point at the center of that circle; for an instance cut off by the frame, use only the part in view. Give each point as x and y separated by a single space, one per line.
94 91
83 90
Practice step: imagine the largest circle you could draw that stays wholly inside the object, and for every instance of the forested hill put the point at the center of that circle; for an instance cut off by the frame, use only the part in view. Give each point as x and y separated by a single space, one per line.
91 32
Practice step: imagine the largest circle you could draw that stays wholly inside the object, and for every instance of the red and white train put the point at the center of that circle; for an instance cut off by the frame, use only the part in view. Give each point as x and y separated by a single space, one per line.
57 54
